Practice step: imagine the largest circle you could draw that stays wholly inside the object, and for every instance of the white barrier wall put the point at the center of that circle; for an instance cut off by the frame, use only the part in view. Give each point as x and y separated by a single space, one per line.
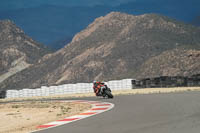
67 89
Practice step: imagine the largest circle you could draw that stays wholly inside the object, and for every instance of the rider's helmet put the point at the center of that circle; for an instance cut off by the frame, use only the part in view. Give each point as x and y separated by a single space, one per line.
94 82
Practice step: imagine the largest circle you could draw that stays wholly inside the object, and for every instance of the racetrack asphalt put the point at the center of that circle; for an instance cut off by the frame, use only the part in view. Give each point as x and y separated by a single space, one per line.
150 113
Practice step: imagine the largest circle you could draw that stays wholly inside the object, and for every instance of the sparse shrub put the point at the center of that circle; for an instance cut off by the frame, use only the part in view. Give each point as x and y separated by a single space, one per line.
15 106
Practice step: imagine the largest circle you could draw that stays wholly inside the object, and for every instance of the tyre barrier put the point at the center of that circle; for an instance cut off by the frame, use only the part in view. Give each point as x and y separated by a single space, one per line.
124 84
2 94
166 81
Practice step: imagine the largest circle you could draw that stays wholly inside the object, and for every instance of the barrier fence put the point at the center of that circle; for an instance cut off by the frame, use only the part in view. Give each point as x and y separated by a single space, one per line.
164 81
67 89
2 94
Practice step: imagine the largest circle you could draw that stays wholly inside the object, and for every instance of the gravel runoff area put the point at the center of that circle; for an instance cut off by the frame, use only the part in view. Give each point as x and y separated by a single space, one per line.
22 117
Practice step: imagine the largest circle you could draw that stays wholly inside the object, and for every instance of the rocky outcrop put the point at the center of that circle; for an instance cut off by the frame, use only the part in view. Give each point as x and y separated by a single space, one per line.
177 62
17 50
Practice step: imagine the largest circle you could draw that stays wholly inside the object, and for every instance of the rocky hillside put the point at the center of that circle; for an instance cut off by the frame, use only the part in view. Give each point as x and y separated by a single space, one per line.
112 47
177 62
17 50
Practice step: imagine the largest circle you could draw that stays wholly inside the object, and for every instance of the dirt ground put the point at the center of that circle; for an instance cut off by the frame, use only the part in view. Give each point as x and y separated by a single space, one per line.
24 117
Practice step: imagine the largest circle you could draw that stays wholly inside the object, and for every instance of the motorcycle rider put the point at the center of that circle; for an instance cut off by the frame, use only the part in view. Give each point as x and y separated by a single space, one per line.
101 89
97 87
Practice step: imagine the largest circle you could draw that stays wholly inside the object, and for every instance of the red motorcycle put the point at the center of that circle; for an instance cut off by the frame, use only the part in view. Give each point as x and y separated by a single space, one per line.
102 90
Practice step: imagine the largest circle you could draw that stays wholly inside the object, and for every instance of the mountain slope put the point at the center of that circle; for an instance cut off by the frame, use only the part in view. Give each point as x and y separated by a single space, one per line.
177 62
114 46
17 51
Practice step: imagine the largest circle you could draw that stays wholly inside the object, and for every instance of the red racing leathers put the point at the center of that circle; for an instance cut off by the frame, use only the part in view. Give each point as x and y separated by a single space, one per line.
97 86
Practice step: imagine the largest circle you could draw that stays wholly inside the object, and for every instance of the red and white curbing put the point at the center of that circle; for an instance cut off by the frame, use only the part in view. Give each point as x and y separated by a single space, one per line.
97 108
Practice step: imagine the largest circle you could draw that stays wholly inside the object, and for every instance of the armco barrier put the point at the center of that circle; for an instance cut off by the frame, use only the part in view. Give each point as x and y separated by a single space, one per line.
67 89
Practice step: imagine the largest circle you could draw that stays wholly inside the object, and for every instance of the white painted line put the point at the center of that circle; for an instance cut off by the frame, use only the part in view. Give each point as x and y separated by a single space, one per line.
97 108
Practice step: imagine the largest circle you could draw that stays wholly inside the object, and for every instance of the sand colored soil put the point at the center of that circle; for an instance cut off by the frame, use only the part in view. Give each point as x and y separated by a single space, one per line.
24 117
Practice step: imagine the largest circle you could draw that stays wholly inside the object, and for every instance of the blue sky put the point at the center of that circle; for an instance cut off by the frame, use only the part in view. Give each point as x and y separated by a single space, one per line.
191 8
49 21
16 4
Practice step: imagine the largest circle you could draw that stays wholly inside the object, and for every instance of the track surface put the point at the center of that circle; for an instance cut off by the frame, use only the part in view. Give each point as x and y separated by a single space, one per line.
154 113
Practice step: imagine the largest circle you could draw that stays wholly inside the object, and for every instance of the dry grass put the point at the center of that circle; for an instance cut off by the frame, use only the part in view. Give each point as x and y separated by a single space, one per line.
24 117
